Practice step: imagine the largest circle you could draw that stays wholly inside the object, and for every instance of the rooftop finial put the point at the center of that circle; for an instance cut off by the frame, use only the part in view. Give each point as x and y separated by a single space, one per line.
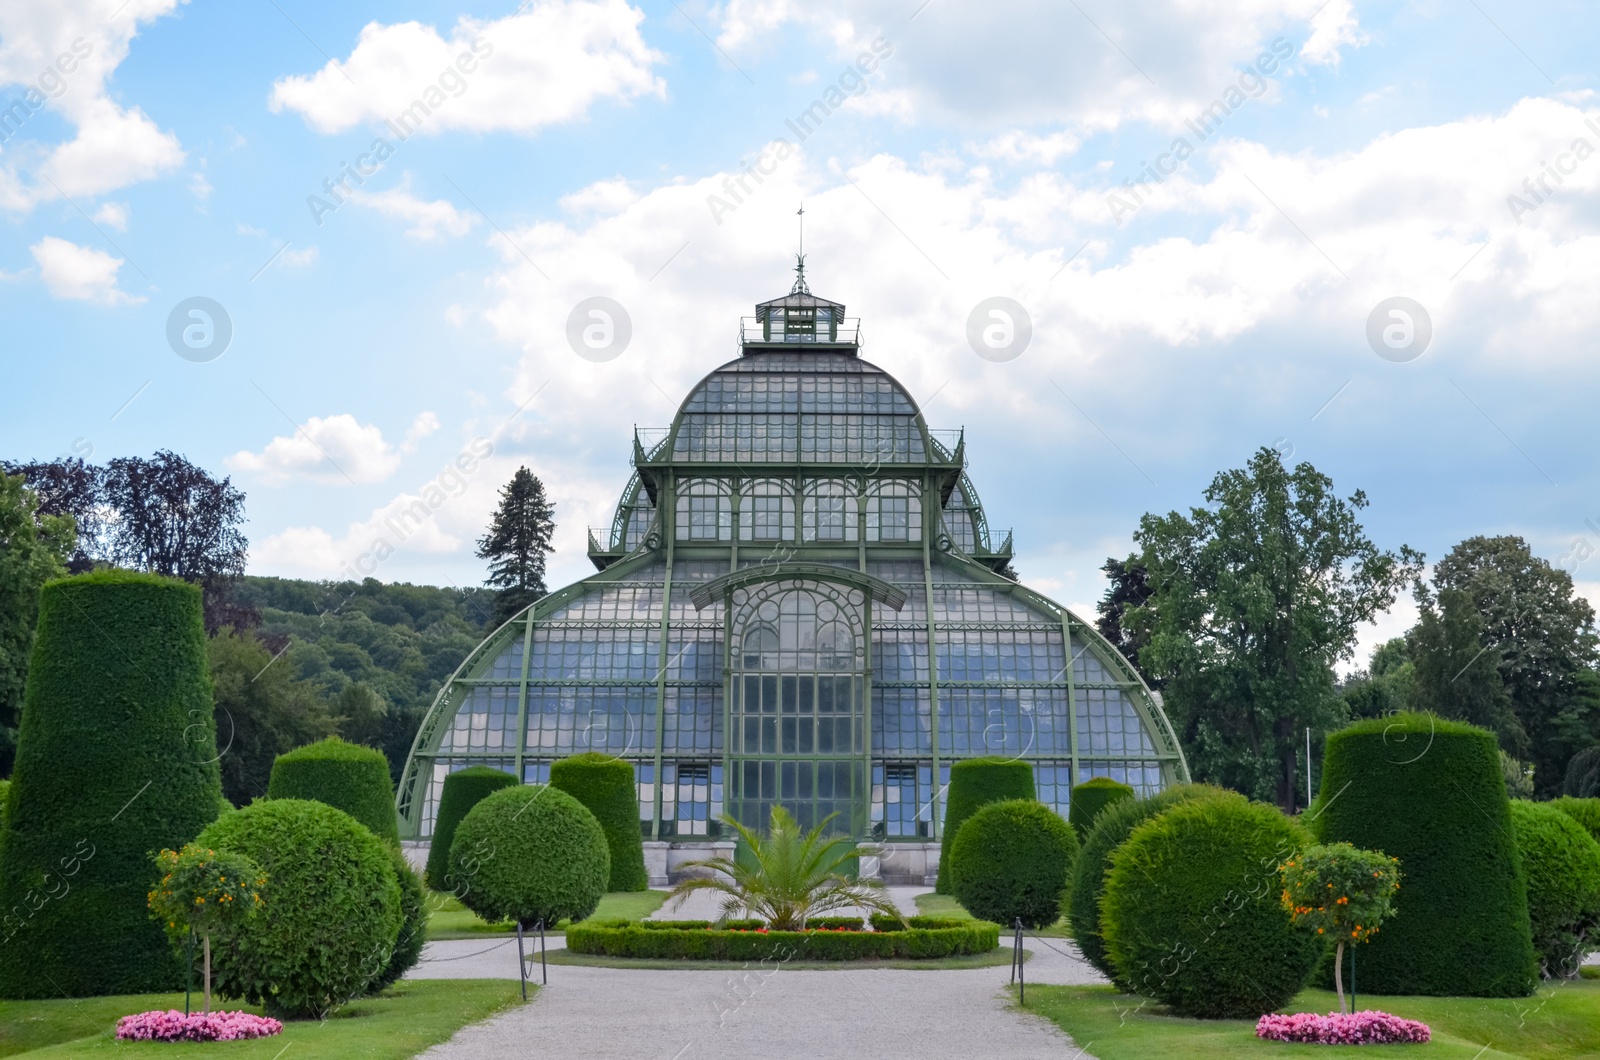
800 258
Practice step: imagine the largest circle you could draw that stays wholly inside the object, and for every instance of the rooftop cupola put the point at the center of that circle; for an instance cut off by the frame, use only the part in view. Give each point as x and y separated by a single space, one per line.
800 318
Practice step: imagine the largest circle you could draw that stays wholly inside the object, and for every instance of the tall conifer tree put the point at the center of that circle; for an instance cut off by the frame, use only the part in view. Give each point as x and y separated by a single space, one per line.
517 543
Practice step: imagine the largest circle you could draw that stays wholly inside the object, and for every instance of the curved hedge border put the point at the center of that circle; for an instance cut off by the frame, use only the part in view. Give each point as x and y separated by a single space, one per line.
925 938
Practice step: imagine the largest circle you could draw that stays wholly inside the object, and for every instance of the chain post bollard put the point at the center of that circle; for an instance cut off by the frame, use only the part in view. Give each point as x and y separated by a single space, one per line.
522 963
1016 957
544 969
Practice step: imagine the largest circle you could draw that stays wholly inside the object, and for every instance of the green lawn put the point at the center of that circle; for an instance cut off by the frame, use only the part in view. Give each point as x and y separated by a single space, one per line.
403 1022
943 905
1559 1021
449 919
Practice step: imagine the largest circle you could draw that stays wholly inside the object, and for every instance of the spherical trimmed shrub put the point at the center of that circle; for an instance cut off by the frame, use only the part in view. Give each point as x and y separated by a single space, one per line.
330 914
1585 811
530 853
1562 862
606 786
976 782
116 759
1431 793
463 790
1192 914
1111 829
347 776
1011 861
413 924
1092 796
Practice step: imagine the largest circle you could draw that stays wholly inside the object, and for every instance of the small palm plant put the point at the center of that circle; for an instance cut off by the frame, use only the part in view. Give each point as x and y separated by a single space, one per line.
796 876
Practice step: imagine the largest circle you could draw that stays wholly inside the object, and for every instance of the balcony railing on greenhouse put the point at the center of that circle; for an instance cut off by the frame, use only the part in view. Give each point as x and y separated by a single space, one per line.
649 443
950 445
775 331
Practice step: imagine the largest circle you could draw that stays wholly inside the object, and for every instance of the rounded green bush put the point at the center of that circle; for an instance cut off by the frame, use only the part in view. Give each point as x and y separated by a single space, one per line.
330 913
1111 829
606 787
116 759
413 924
1562 862
463 790
1011 861
1192 914
347 776
530 853
1431 793
1585 811
975 782
1092 796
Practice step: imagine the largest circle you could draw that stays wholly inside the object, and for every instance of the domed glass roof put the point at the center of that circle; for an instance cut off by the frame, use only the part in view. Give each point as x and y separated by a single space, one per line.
799 603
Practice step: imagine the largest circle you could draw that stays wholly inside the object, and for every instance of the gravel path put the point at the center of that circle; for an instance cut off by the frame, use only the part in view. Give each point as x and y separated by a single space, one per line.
771 1014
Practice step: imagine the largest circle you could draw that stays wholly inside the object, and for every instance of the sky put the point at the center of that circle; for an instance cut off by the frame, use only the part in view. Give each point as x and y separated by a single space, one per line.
342 252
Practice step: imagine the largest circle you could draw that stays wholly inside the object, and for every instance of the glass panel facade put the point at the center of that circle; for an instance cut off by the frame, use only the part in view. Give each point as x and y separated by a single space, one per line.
825 638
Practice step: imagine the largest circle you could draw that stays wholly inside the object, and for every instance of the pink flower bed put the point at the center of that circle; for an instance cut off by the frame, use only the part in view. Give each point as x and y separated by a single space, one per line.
174 1026
1354 1028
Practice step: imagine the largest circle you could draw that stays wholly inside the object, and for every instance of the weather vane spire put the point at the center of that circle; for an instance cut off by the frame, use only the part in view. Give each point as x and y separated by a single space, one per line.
800 258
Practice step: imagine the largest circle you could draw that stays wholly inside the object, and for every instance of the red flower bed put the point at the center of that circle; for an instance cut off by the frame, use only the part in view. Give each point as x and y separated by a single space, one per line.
1354 1028
174 1026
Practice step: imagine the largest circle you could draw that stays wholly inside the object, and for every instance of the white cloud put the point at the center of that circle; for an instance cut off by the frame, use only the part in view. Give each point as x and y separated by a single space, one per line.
425 424
545 66
428 220
1019 146
601 197
62 54
200 187
113 215
303 258
333 449
1029 61
1333 28
81 274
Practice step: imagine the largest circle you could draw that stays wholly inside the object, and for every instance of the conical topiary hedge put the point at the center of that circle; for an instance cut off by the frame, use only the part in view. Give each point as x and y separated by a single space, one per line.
977 782
606 786
463 790
348 776
116 759
1431 793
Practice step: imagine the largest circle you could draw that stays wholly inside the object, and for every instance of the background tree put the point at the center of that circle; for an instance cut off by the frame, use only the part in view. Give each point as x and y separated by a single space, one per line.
34 547
1130 587
69 487
1254 599
1385 686
360 715
1457 674
263 710
517 543
1542 635
174 518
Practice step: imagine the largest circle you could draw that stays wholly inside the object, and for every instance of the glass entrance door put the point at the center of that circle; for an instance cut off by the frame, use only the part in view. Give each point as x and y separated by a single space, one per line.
798 689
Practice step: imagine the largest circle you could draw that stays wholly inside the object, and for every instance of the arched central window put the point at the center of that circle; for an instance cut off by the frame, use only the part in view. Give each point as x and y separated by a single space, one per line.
799 664
766 511
830 511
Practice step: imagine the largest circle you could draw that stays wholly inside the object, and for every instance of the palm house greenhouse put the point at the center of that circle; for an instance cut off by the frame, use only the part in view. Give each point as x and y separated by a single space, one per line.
800 601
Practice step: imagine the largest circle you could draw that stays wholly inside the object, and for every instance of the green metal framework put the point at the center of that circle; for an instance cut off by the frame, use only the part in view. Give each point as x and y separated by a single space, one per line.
799 600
